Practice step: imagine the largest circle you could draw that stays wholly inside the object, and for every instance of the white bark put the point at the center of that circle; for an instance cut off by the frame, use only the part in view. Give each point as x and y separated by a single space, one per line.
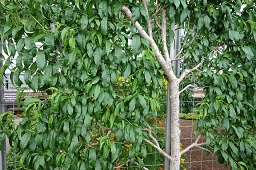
163 60
175 125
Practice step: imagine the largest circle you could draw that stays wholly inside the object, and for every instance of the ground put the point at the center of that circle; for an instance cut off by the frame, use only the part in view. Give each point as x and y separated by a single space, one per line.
197 159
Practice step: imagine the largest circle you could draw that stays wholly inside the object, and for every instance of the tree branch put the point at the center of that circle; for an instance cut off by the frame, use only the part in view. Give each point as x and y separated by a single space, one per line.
185 88
165 50
165 65
155 14
159 149
156 145
121 165
187 71
150 134
148 20
195 144
136 163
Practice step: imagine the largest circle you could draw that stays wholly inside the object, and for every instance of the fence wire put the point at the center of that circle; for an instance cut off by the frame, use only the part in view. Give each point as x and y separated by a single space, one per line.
194 159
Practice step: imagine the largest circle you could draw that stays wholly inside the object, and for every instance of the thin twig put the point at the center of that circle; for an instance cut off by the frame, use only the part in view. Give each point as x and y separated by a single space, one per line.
150 134
204 148
155 15
119 166
181 50
165 50
187 71
156 145
185 88
148 20
136 163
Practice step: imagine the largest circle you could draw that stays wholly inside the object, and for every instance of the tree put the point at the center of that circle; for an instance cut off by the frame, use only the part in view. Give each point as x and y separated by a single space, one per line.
85 59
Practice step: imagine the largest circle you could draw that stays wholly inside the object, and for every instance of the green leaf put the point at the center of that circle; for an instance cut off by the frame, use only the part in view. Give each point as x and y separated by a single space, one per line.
20 45
92 156
177 3
24 140
143 11
132 135
108 45
39 37
225 155
112 120
72 42
95 80
234 35
97 57
226 123
233 147
248 52
30 100
87 120
84 21
16 30
49 40
207 21
136 43
96 91
40 60
142 101
66 127
127 71
135 13
99 36
132 104
147 76
72 58
239 131
29 25
34 83
232 112
74 143
183 15
106 151
98 165
104 25
16 78
64 33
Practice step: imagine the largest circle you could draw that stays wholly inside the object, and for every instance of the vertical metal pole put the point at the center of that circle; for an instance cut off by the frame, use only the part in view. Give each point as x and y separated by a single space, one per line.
168 129
174 49
3 151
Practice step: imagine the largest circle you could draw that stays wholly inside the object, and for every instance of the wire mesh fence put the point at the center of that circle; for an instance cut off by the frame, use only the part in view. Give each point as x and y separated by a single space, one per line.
194 159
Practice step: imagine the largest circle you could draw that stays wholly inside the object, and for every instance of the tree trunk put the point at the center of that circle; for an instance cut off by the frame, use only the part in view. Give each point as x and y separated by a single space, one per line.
175 125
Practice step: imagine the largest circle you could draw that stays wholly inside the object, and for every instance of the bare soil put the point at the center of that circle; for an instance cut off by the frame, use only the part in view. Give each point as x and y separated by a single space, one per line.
197 158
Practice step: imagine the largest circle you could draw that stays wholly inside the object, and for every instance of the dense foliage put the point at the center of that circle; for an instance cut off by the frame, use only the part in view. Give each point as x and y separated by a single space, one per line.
228 111
99 88
97 91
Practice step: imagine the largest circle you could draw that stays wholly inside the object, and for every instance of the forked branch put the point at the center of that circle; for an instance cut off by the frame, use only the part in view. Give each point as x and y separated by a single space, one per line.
156 145
155 15
165 65
187 71
195 144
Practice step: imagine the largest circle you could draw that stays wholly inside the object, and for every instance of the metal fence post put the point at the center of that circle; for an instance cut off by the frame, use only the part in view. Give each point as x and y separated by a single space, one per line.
3 151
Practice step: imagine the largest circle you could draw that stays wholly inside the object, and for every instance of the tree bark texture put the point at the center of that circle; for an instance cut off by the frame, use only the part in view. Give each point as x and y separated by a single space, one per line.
175 125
